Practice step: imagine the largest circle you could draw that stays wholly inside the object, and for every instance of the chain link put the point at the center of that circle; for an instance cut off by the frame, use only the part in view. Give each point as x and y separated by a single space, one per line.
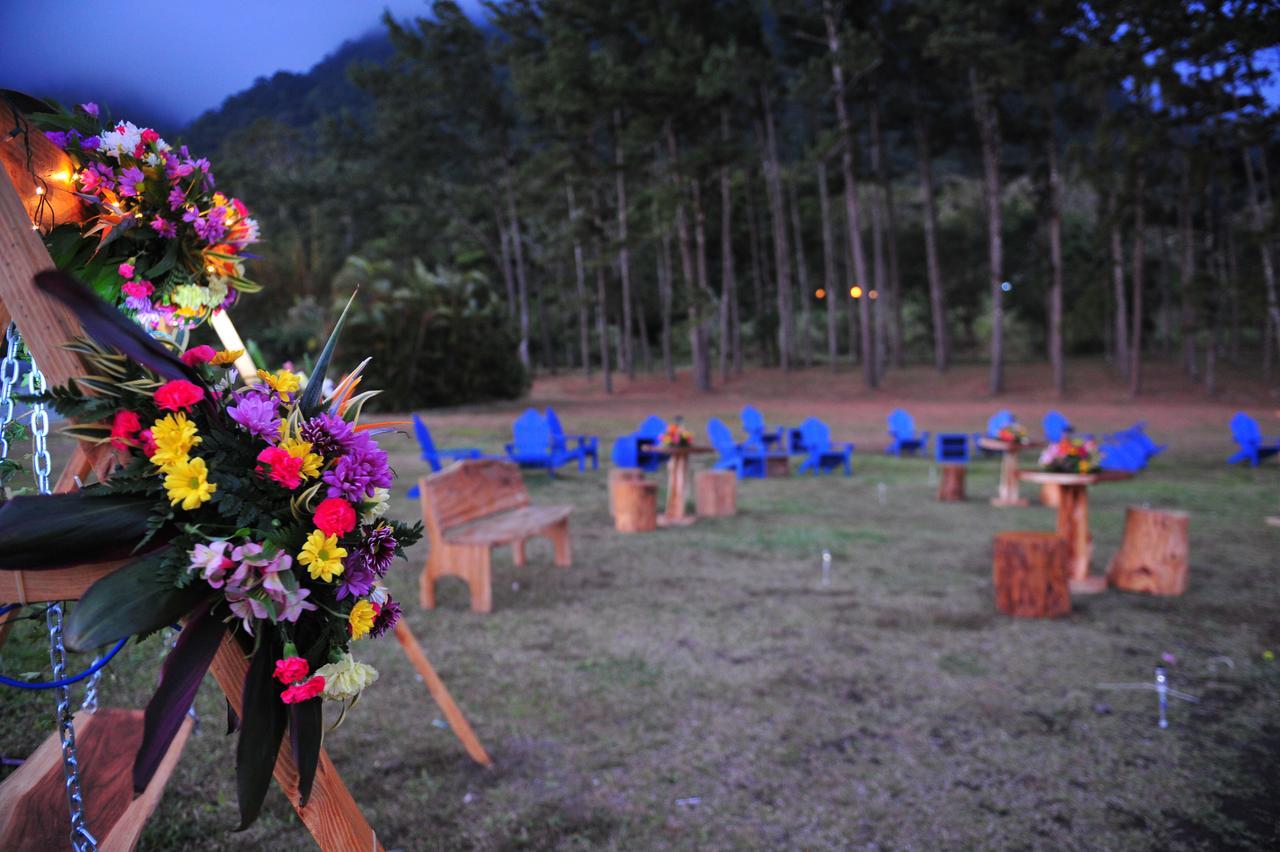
81 839
10 368
42 464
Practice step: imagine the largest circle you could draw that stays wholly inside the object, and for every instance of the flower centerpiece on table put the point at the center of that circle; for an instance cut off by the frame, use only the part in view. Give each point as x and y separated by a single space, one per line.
675 435
1013 432
162 242
1071 455
256 512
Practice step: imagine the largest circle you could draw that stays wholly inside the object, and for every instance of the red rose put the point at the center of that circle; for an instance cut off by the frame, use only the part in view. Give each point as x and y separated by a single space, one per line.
178 394
124 429
198 355
304 691
334 516
290 670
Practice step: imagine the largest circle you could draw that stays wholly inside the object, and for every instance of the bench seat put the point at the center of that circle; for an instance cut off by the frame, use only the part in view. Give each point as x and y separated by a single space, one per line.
509 527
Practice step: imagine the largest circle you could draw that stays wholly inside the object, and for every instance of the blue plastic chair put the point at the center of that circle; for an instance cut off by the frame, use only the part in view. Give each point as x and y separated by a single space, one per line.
822 456
995 423
1123 456
588 446
902 431
533 445
747 461
436 457
627 450
1254 447
753 424
1055 426
1137 435
951 448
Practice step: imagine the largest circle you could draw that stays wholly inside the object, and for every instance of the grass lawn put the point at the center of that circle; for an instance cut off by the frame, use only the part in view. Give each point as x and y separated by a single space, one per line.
700 688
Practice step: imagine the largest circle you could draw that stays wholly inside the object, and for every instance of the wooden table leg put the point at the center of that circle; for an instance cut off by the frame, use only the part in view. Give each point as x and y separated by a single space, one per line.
677 484
440 694
1073 525
1007 495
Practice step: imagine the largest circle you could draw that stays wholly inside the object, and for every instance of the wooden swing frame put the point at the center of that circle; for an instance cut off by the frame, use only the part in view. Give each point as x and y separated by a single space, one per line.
331 815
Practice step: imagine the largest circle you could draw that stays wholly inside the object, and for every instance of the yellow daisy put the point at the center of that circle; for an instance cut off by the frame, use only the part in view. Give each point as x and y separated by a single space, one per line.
187 483
174 435
360 619
322 556
226 356
301 449
282 381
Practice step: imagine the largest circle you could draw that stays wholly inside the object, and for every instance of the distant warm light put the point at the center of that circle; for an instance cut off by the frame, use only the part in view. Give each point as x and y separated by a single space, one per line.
39 190
820 293
208 269
873 295
855 291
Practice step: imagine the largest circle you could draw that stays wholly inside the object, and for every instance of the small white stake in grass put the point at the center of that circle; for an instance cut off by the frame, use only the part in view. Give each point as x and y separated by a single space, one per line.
1162 691
826 568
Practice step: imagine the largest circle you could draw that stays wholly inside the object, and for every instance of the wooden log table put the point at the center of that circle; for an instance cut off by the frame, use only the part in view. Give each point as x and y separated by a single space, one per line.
677 482
1007 494
1073 520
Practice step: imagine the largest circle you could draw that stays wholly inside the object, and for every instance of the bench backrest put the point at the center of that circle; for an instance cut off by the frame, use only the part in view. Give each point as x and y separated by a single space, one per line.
557 430
1245 429
532 435
753 422
901 425
469 490
1055 426
428 447
652 427
817 437
721 438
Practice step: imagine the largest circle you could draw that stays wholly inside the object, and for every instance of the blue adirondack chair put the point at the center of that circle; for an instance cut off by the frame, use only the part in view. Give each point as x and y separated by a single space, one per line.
586 446
995 423
1254 447
757 432
1137 435
533 445
436 457
902 431
627 452
746 460
1123 456
1055 426
951 448
822 456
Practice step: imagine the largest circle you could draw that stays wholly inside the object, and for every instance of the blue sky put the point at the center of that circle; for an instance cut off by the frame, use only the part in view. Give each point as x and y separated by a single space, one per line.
179 57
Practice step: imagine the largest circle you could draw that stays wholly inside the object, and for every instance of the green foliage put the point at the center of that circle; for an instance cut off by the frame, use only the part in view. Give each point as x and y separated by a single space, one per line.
436 337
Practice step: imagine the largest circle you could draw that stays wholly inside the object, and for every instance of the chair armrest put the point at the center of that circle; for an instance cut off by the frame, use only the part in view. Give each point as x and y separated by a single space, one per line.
510 448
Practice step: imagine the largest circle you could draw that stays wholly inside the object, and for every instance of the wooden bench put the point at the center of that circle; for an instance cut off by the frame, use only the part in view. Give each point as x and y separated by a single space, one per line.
473 506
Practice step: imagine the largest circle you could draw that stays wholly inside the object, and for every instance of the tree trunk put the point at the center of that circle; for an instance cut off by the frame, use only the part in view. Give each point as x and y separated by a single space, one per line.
642 334
757 277
1055 260
1139 276
891 296
1264 241
624 255
1120 300
1186 235
548 354
879 274
778 221
937 294
701 333
687 263
522 280
728 285
504 243
802 278
665 291
580 271
988 120
850 194
828 264
602 297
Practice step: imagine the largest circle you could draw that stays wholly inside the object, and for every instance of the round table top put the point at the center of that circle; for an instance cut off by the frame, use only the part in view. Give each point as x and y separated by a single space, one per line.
1045 477
675 451
996 445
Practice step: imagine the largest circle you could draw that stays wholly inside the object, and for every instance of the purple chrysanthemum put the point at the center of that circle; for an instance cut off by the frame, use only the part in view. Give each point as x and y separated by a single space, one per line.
387 617
357 578
359 472
378 549
329 434
129 180
258 416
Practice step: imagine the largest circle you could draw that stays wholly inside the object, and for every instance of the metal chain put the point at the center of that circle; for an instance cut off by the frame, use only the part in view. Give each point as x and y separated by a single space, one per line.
42 464
10 368
90 703
81 839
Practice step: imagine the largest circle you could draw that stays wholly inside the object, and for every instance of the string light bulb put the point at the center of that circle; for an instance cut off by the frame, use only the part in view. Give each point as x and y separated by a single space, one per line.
873 295
820 293
855 291
39 190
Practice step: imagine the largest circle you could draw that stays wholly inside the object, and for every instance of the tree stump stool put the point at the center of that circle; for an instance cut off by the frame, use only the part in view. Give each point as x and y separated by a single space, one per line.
1050 495
635 507
951 483
716 492
1153 554
1031 575
617 475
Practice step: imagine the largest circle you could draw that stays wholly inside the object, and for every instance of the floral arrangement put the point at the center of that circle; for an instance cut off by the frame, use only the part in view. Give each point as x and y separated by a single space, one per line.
676 435
256 511
162 243
1013 432
1071 455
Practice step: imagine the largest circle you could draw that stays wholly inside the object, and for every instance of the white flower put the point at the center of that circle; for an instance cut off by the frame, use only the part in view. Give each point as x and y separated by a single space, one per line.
377 507
379 594
122 139
346 678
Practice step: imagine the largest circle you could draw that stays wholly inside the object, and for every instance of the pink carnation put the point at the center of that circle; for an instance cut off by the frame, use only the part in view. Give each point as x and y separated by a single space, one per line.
139 289
178 394
281 466
290 670
125 270
304 691
198 355
334 516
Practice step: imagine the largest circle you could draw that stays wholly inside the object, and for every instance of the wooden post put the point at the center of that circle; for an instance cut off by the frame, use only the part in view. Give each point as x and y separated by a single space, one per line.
677 490
636 506
440 693
951 483
1154 553
1050 494
1073 525
1030 574
716 493
1007 495
618 475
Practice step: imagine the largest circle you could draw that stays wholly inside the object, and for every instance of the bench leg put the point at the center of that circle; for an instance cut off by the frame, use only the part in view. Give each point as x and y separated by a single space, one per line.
517 552
559 535
472 564
427 585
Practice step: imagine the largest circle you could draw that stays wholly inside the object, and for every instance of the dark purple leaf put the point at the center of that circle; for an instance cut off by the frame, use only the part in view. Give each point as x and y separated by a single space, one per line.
136 598
263 718
57 530
306 723
180 678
